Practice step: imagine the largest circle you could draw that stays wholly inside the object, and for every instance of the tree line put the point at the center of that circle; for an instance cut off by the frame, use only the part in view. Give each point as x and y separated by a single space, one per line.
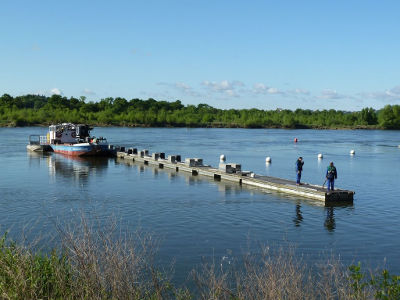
30 110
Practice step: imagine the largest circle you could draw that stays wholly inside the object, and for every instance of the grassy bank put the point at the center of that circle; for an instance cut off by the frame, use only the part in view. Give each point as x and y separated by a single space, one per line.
109 264
31 110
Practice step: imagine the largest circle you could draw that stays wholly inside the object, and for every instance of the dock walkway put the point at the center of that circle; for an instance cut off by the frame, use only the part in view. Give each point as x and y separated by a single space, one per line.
232 172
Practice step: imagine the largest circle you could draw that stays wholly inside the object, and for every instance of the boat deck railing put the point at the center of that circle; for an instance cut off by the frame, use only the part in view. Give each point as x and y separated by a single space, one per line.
44 140
35 139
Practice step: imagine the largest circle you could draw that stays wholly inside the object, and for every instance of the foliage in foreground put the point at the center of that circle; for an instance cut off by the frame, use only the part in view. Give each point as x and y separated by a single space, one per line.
92 265
384 285
32 276
99 265
39 110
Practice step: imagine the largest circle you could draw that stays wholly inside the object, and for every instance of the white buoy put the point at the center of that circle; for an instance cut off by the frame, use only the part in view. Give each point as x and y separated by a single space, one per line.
222 157
352 152
268 159
320 156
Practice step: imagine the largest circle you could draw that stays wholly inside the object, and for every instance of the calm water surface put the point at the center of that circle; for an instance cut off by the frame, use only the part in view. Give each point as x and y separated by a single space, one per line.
195 217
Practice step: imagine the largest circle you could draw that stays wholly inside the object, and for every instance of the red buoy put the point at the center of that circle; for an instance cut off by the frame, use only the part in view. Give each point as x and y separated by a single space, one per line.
295 140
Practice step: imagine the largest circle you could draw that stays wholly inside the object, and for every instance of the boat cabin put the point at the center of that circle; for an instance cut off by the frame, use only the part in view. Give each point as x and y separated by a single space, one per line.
67 133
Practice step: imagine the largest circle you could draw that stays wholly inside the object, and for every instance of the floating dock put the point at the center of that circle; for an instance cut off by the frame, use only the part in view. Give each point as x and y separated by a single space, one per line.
232 172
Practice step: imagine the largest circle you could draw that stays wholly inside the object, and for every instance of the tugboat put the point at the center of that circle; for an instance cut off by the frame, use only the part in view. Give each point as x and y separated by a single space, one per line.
75 140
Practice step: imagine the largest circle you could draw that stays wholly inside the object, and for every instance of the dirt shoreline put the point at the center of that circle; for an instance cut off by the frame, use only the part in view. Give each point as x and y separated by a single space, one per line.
370 127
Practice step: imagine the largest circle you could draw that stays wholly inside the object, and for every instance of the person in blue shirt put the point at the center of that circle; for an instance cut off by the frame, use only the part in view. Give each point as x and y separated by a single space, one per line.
299 169
331 175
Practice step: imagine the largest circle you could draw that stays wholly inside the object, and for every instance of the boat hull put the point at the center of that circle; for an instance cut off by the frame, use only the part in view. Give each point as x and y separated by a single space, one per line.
39 148
83 149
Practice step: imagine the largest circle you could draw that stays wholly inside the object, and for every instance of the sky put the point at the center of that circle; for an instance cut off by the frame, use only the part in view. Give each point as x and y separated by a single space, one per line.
228 54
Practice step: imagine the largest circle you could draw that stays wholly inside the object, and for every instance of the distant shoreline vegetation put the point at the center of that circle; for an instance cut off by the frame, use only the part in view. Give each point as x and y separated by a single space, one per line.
32 110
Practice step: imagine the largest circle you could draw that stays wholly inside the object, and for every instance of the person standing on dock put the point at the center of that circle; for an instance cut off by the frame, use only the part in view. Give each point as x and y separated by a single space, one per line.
299 169
331 175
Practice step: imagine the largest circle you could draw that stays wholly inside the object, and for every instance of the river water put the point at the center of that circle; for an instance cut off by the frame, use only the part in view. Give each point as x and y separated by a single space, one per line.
195 217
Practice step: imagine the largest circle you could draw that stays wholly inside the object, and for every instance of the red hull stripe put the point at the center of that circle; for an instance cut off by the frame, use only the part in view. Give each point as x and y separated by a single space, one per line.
74 153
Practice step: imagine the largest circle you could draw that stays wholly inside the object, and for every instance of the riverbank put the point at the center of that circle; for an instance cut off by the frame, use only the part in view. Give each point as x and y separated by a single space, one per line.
360 127
110 264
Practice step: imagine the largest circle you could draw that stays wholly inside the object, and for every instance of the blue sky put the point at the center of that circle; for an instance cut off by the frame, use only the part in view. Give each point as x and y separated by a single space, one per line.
228 54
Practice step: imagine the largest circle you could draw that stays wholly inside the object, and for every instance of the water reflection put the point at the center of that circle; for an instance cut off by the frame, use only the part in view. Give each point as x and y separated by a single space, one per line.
171 175
190 180
299 216
330 223
78 169
155 172
228 188
38 158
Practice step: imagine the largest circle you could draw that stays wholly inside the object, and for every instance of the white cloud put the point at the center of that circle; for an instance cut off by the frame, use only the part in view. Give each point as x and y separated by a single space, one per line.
187 89
183 86
330 94
274 91
87 91
261 88
300 92
56 91
180 86
225 87
392 94
231 93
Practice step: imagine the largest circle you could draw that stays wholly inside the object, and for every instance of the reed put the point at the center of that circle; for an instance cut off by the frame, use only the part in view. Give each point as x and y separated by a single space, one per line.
109 263
92 263
278 275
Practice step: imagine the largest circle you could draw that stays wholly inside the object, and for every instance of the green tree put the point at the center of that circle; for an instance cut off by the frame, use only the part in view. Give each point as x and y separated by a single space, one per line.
368 116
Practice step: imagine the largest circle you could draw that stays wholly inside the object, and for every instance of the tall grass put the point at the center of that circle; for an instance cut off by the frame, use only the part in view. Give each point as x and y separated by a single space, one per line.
279 275
27 275
110 264
91 264
284 275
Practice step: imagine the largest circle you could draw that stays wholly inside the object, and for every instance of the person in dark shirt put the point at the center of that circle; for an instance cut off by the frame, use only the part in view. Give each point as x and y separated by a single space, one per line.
299 169
331 175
